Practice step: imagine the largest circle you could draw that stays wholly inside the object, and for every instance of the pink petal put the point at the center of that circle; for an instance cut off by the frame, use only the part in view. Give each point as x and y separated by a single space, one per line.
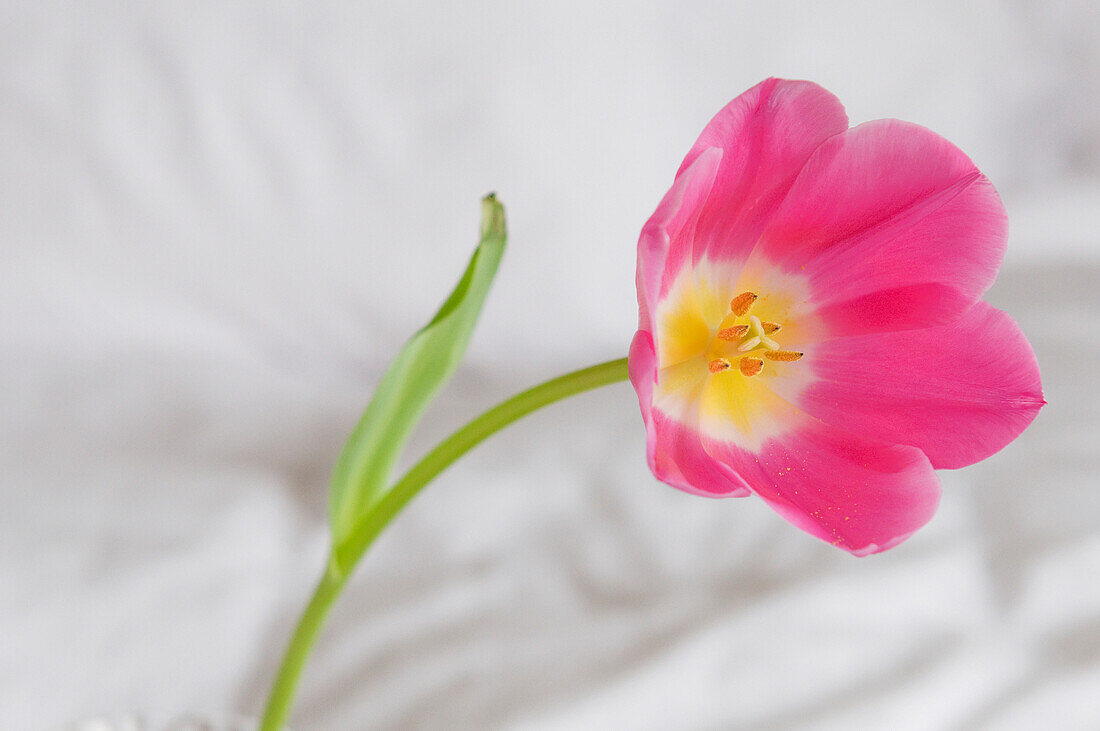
766 136
665 243
960 392
861 495
894 227
675 451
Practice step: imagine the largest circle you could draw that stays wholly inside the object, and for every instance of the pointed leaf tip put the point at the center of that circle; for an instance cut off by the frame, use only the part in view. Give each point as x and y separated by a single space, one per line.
492 217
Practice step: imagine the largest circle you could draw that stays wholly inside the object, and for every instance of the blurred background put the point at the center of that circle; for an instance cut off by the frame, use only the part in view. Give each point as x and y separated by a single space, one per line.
219 221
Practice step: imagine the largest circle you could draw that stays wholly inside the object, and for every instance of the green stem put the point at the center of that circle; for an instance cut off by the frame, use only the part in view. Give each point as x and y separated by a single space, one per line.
305 634
347 555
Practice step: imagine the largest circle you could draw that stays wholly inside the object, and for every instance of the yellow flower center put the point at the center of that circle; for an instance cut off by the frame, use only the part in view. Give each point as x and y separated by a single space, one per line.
721 361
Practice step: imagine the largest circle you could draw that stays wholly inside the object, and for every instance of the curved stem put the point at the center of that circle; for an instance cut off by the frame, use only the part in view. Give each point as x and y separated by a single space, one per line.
301 642
462 441
347 555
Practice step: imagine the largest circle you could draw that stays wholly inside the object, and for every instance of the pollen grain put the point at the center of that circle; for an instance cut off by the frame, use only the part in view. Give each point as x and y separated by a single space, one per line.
733 333
750 366
782 355
719 364
740 304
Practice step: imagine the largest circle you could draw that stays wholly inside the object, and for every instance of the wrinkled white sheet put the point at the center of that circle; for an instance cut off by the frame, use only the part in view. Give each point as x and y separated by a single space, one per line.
219 221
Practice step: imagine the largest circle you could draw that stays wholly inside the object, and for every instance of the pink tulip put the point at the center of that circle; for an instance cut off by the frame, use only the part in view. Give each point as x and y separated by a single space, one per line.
811 326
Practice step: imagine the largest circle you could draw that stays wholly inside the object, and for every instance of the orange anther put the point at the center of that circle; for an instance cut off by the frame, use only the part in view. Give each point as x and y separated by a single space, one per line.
720 364
782 355
751 366
771 327
733 333
740 304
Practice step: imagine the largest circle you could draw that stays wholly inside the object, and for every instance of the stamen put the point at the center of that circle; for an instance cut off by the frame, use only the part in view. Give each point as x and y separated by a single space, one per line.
749 344
751 366
720 364
740 304
751 337
733 333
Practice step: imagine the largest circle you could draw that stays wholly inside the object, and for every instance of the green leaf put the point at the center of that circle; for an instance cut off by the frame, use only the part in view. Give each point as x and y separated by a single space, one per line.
363 470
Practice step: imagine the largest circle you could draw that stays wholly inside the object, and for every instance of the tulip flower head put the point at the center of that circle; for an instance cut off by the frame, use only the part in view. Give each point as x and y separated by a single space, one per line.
811 327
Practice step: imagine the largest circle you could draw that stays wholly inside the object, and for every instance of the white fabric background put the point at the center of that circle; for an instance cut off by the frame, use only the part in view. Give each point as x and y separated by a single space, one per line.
218 221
